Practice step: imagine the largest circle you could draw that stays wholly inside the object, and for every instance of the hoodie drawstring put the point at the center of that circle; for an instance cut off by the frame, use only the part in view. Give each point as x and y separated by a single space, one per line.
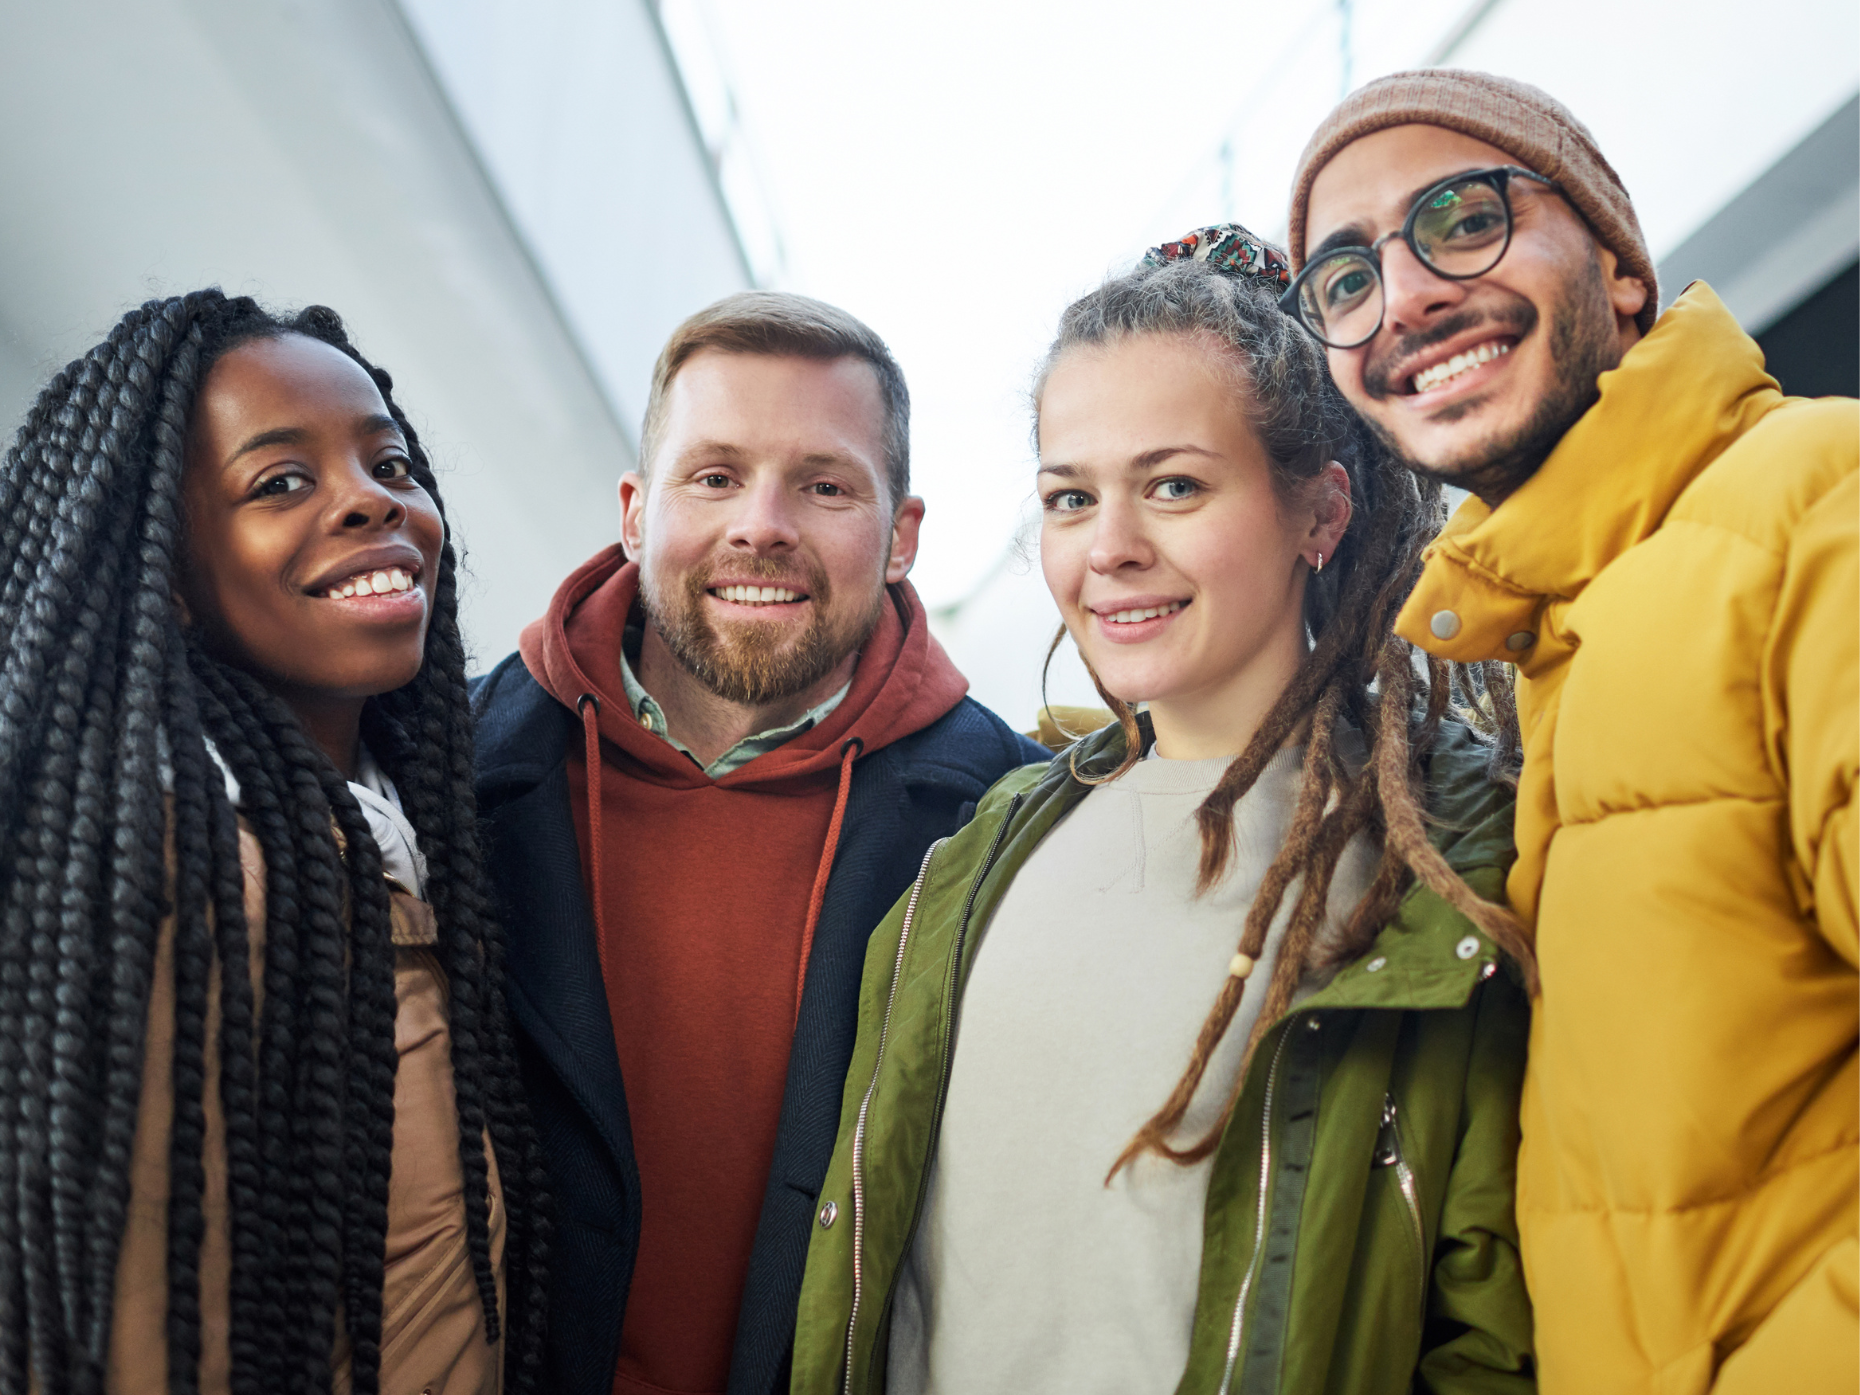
589 706
591 733
850 750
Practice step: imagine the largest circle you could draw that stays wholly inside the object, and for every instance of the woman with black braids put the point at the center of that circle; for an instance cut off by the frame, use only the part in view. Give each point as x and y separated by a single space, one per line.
260 1121
1059 1168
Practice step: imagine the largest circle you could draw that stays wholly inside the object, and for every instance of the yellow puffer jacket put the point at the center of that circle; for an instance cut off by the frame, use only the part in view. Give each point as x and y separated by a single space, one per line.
1678 586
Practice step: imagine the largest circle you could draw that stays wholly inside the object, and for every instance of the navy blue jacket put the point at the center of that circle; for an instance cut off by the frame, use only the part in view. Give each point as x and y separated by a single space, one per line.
904 796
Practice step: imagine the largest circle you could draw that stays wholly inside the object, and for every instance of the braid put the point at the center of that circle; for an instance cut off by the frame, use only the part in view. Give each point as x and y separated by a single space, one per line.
422 734
1357 669
193 955
115 819
267 1238
372 1059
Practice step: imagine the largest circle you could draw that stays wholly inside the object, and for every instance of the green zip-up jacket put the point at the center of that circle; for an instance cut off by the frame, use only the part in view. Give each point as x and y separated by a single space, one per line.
1359 1233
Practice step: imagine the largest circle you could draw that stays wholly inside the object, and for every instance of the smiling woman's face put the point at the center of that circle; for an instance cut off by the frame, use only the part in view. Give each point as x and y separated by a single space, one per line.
1177 567
311 552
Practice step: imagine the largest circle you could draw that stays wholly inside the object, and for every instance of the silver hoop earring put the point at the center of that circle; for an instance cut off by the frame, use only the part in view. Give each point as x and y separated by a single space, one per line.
1319 569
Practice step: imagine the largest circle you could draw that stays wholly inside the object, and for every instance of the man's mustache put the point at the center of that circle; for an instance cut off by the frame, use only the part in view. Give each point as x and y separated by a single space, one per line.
797 574
1519 319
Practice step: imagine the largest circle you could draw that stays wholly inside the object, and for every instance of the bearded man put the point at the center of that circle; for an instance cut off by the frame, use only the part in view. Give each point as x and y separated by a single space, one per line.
1666 548
706 775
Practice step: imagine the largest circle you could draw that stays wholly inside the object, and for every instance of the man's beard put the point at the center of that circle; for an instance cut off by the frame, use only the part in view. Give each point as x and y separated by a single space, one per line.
1583 345
747 662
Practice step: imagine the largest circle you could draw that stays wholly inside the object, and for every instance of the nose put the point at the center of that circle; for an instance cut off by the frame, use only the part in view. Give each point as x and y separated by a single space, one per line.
362 501
1119 541
1412 292
763 521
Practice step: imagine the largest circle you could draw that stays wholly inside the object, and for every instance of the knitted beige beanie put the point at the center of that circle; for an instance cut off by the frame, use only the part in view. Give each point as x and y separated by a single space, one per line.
1525 122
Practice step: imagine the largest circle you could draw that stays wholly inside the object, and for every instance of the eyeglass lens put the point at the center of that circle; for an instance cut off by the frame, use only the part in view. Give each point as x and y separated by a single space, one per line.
1460 231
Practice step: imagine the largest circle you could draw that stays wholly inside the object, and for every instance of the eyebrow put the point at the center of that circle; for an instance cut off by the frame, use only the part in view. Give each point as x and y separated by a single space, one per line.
700 452
371 425
723 448
821 459
1149 460
1359 235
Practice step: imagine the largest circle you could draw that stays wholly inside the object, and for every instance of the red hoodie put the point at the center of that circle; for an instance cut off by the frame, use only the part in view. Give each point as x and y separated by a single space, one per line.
705 904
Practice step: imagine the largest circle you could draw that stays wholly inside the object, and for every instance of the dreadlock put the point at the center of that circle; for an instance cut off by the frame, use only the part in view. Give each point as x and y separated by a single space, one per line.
114 814
1357 671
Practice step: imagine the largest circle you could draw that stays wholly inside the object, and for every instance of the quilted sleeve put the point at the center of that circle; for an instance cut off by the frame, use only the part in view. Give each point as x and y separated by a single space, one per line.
1814 679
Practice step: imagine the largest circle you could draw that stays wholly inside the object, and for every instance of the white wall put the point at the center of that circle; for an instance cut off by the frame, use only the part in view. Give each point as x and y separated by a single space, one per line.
304 152
577 112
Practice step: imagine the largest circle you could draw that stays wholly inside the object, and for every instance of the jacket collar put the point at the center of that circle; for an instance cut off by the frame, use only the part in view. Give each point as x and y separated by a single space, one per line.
1422 958
1678 399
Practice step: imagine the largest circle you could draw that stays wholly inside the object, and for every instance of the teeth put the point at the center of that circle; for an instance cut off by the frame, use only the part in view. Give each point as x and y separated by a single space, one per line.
756 595
1451 368
372 584
1133 617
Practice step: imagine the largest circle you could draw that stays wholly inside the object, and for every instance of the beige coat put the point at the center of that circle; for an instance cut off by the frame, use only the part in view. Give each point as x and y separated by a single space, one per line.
432 1330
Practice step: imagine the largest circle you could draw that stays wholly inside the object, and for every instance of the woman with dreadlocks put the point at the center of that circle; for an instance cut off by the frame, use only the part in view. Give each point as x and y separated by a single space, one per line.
260 1121
1059 1169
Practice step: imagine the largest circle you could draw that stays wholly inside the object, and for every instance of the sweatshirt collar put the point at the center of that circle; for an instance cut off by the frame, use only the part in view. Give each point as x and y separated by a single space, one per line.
648 713
1678 398
904 682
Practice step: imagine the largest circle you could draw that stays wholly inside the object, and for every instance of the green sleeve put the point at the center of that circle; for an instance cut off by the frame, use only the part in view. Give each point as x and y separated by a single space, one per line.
1478 1336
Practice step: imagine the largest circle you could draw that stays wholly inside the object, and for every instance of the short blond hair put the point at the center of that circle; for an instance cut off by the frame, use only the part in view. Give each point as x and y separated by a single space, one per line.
777 322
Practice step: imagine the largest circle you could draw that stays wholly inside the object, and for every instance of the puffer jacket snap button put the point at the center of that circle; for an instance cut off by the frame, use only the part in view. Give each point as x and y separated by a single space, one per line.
1520 640
1445 624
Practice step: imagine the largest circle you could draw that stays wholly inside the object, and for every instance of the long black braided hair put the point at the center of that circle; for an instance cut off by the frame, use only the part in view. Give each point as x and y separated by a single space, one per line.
114 815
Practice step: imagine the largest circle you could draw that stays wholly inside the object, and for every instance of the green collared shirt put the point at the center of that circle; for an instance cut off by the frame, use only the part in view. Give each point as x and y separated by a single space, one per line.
648 713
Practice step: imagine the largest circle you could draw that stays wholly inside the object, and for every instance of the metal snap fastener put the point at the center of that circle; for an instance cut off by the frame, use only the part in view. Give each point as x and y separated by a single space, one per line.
645 720
828 1214
1519 641
1376 965
1467 947
1445 624
1312 1024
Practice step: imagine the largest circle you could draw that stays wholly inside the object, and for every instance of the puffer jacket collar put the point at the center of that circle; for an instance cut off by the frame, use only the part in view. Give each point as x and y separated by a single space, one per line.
1678 399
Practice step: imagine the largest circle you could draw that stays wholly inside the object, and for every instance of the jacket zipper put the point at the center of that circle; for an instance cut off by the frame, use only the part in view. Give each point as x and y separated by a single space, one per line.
942 1086
1259 1224
1389 1154
865 1104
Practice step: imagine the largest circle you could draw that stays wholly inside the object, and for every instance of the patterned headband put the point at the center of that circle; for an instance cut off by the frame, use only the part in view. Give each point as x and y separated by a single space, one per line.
1226 247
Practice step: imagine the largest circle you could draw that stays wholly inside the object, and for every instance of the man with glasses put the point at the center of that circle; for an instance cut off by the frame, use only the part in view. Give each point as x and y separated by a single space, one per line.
1665 546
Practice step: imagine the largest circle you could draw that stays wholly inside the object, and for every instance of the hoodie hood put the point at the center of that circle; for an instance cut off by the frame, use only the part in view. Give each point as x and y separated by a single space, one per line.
904 681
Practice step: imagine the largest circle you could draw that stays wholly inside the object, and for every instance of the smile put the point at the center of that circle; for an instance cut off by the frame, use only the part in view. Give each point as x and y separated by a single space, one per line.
757 595
1137 617
1448 369
373 583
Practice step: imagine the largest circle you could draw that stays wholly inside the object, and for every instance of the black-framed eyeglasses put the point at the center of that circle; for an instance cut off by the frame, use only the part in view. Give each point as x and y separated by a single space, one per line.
1459 229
